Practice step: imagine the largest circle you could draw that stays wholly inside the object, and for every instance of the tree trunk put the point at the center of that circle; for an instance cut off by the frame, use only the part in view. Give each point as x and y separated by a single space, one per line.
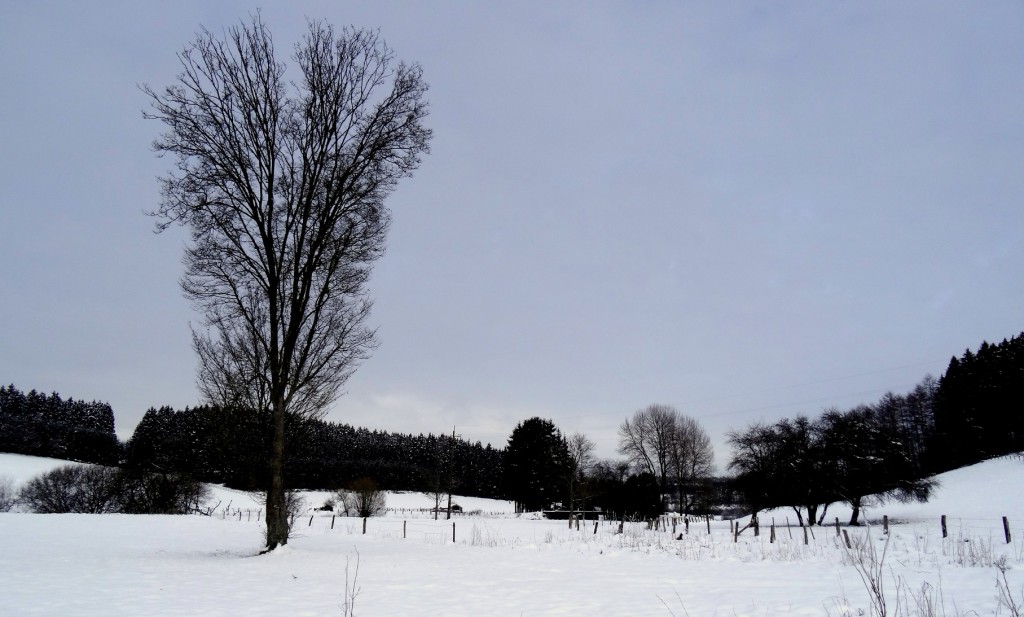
812 513
854 518
824 511
277 512
800 516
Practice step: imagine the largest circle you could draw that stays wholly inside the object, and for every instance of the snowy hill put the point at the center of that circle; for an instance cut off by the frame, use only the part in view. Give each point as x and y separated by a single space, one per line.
409 564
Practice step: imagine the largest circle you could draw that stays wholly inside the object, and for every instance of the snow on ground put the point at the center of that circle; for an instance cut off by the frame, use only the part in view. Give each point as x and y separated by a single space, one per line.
501 564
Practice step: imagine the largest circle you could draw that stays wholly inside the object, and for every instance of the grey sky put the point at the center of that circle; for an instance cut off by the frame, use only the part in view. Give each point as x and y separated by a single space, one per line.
744 210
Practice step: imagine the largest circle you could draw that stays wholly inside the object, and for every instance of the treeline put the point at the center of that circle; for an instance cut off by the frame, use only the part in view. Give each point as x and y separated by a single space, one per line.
973 412
47 425
979 406
841 456
229 446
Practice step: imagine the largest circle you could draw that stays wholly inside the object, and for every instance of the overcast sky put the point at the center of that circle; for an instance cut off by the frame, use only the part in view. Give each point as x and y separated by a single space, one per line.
744 210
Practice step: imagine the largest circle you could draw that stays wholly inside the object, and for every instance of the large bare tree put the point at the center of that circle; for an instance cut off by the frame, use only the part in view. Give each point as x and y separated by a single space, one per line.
667 444
282 183
647 440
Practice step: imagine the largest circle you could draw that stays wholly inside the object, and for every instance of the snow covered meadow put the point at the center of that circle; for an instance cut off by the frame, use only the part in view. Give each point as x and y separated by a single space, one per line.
501 564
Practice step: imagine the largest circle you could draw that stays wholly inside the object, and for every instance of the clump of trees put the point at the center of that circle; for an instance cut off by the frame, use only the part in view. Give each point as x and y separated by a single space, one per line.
842 456
228 445
46 425
673 448
669 455
94 489
979 405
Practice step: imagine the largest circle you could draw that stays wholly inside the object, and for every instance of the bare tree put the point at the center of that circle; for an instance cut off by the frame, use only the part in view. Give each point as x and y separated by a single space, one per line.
647 440
282 182
691 458
669 445
580 460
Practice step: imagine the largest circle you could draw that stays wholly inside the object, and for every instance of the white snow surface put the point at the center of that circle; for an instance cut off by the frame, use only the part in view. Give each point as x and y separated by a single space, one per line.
501 564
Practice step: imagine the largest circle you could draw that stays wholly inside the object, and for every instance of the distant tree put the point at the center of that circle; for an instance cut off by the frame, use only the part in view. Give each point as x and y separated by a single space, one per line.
671 446
440 474
755 462
647 440
282 182
580 451
535 461
691 460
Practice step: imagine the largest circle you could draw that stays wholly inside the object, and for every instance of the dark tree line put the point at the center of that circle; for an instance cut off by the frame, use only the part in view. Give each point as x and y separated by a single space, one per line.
979 405
973 412
229 446
842 456
47 425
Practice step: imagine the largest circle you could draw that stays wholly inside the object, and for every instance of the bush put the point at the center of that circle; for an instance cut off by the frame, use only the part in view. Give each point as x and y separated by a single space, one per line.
72 488
159 493
88 489
362 498
8 496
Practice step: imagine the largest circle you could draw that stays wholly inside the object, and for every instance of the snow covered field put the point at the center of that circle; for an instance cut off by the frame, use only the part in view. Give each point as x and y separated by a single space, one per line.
501 564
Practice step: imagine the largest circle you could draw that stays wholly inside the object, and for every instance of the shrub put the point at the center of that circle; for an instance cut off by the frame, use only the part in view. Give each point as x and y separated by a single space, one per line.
89 489
159 493
362 498
72 488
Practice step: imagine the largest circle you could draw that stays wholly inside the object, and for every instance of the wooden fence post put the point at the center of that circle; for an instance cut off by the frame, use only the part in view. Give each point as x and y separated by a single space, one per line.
943 521
364 525
885 523
805 534
709 525
789 529
310 520
403 528
772 541
595 527
1006 529
837 526
453 533
846 537
333 516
